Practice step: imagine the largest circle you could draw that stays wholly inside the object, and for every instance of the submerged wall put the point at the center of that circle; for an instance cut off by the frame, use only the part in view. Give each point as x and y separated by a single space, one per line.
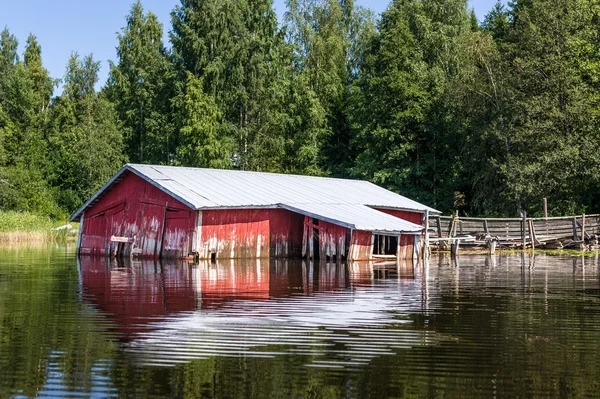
148 223
152 221
324 240
249 233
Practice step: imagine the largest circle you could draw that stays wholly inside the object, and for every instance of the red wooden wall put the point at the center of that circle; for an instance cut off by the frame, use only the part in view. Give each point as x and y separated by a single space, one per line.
135 208
413 217
333 239
361 246
286 233
250 233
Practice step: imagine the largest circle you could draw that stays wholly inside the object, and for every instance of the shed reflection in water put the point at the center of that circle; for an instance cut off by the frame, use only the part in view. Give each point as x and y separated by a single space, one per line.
138 294
512 325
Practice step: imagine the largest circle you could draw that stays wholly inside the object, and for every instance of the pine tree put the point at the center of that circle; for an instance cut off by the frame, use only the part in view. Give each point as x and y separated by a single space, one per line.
235 48
25 90
85 142
555 118
202 143
410 136
497 21
326 36
140 86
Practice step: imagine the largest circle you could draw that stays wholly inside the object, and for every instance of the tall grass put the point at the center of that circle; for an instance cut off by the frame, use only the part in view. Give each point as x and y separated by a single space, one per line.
21 227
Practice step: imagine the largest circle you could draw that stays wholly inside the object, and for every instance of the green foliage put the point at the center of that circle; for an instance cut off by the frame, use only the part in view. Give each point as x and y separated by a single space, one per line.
497 21
487 119
24 189
328 40
140 86
12 221
237 51
203 139
545 105
408 134
85 139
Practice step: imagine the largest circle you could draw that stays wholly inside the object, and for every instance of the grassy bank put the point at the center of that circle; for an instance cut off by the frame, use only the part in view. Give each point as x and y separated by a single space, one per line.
17 227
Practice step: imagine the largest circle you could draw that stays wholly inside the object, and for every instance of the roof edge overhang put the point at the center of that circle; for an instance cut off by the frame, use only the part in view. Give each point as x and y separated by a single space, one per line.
418 230
317 216
415 210
126 168
82 208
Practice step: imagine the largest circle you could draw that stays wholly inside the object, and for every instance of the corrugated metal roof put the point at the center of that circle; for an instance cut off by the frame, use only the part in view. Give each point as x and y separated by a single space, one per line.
358 217
217 188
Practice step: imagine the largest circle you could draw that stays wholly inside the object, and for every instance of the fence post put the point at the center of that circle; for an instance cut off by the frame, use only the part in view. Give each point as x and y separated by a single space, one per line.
524 230
546 215
426 249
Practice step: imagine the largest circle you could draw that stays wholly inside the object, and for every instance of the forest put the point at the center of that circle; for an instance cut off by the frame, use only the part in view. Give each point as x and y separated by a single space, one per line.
484 117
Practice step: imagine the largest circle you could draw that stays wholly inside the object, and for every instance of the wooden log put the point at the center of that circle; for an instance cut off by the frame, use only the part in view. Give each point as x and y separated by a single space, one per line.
121 239
450 227
554 244
545 208
456 221
491 243
532 233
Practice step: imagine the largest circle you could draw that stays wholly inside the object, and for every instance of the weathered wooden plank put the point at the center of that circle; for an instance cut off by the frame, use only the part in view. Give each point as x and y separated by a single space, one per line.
121 239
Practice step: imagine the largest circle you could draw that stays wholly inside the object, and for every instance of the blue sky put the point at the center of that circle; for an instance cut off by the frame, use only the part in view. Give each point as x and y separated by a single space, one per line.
64 26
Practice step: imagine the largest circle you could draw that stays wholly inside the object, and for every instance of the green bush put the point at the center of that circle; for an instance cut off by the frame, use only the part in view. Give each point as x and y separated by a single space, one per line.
24 190
11 221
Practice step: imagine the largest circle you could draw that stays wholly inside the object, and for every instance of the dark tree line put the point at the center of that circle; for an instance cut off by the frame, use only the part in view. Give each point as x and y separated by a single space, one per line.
487 118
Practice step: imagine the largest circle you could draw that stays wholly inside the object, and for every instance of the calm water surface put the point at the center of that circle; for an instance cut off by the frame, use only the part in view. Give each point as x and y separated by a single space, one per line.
505 326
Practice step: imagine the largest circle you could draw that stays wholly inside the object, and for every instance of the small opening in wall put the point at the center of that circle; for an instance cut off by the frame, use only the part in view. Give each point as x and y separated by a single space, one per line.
385 245
213 257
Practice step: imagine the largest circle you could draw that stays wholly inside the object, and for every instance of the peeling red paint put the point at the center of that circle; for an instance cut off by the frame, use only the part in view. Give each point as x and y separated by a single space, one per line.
361 245
178 233
136 209
157 224
331 238
286 233
250 233
413 217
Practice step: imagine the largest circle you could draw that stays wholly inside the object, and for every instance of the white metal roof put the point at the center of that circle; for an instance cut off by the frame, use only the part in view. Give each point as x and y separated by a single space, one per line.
349 202
355 216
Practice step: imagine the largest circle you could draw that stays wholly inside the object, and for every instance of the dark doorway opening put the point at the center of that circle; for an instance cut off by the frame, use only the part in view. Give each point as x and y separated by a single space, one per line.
385 245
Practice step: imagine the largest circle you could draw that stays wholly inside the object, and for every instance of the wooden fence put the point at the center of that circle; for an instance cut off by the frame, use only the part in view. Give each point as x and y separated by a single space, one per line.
550 233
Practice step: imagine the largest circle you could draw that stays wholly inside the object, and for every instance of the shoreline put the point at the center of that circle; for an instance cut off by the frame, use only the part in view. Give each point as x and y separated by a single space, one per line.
24 227
41 236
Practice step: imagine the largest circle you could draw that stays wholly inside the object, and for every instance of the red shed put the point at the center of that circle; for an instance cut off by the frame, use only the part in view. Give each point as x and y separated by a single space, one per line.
151 211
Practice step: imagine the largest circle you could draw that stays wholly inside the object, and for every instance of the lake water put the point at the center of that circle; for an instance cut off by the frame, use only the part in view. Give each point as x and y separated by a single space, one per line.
517 326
